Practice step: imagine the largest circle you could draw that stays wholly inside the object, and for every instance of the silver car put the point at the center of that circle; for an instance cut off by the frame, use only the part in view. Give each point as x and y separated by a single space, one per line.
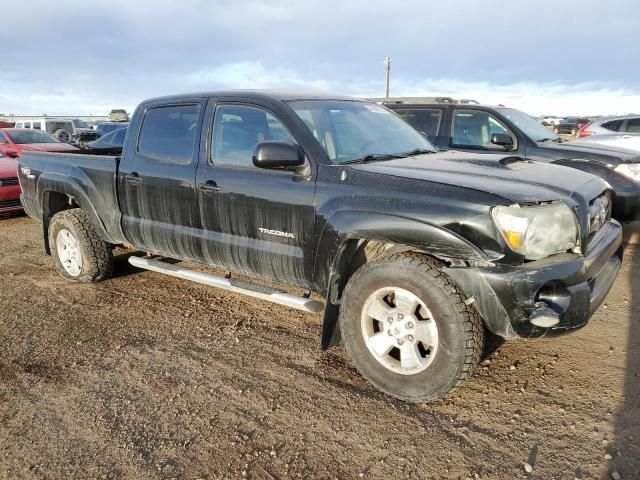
608 125
627 141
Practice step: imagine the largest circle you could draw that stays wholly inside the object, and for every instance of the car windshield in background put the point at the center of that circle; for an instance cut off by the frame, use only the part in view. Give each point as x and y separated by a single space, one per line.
529 125
21 137
81 123
352 130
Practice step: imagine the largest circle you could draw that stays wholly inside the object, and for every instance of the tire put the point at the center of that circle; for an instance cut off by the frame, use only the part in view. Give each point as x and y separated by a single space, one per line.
450 354
62 135
79 254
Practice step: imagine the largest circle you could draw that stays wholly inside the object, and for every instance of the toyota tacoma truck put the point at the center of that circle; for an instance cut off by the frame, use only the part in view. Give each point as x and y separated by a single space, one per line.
416 257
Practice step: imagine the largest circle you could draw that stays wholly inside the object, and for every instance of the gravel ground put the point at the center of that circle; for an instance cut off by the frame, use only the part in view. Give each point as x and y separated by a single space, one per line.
146 376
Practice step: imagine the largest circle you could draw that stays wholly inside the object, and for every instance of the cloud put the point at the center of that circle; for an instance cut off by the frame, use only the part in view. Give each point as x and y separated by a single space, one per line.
564 57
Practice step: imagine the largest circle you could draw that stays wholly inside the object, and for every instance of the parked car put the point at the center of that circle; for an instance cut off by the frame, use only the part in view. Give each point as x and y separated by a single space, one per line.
109 144
65 130
550 120
108 127
117 115
489 129
417 253
9 186
607 125
627 141
14 141
4 124
570 125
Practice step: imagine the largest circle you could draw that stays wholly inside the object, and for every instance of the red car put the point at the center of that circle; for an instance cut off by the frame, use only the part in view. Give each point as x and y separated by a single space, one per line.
9 187
15 140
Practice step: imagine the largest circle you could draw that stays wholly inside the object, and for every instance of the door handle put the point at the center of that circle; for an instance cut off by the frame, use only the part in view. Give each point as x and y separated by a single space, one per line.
133 177
209 186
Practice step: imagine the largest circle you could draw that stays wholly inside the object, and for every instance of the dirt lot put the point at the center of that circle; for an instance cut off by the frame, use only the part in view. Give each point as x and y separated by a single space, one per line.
145 376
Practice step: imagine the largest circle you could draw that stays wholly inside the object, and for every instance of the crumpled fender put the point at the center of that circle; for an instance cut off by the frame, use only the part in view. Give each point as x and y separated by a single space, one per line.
335 251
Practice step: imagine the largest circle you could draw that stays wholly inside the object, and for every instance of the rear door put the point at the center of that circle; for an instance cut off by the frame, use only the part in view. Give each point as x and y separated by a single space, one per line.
426 120
255 221
156 181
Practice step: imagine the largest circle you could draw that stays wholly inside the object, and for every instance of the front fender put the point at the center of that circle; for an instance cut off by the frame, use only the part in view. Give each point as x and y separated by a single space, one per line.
336 249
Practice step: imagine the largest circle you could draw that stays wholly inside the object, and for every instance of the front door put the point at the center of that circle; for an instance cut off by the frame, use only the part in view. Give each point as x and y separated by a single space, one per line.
157 180
255 221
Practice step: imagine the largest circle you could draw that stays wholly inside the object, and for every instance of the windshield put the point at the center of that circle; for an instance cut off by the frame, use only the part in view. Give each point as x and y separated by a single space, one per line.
21 137
529 125
81 123
350 130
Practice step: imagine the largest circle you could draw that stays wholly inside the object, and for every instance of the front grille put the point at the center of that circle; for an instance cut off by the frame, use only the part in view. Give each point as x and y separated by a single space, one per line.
599 212
5 182
9 204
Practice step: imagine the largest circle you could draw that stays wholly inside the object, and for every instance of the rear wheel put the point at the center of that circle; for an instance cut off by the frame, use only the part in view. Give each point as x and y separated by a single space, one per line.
407 328
78 251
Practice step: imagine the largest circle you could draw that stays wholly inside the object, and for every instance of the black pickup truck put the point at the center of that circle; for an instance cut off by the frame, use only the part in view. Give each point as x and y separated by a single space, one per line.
416 256
471 127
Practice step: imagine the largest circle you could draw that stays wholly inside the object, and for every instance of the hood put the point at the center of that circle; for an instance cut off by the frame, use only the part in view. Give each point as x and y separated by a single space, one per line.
8 167
604 153
511 178
46 147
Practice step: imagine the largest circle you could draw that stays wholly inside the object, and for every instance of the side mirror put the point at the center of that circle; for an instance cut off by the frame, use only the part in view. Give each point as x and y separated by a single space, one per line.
10 152
502 139
277 155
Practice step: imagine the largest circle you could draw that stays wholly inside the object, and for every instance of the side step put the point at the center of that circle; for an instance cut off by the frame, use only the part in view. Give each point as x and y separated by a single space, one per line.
237 286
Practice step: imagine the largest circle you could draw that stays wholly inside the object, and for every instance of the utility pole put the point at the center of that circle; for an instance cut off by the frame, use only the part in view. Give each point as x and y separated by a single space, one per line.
387 64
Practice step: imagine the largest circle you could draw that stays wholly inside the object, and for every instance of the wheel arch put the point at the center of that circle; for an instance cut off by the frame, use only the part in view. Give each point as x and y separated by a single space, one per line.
58 193
352 238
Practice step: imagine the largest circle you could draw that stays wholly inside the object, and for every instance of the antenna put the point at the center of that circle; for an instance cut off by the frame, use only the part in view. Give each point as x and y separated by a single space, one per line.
387 64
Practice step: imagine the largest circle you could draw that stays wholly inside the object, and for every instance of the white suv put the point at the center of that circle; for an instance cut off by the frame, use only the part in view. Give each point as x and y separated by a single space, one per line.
64 129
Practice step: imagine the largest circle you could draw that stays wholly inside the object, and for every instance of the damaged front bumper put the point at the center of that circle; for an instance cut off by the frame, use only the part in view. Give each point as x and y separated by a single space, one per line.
562 291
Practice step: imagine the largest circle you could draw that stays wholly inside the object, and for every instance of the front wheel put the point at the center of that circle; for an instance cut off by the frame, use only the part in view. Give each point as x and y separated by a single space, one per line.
408 329
78 251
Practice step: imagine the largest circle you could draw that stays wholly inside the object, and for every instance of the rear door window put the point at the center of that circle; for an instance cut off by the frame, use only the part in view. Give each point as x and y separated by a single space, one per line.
633 125
473 129
613 125
168 133
426 121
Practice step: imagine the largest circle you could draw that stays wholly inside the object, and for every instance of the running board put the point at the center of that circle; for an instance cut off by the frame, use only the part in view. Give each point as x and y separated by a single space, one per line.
245 288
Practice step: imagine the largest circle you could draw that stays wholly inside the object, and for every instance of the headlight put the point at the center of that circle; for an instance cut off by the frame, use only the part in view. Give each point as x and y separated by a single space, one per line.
629 170
537 231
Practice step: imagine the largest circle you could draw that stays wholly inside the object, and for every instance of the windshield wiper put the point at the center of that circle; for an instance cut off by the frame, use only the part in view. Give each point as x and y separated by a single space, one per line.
372 157
417 151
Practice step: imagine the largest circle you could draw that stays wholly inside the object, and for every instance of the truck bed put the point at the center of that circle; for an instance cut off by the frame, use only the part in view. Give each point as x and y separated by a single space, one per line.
91 180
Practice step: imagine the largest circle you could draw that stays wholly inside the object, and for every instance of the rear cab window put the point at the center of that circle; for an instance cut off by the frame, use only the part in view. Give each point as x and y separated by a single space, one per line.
168 133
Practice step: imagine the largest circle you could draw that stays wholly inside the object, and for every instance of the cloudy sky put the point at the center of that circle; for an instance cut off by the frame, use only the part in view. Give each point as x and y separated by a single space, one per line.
545 57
